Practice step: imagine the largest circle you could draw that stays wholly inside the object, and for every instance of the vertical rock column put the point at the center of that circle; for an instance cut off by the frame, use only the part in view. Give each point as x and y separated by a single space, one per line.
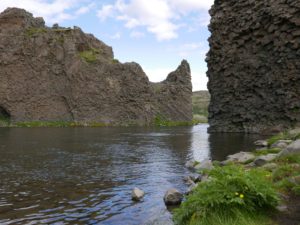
254 66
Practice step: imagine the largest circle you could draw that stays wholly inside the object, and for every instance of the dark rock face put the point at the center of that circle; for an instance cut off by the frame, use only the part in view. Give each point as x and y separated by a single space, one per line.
254 66
63 74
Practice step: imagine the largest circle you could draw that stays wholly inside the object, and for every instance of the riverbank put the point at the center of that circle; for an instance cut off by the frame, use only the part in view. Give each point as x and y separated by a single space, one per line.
158 122
259 187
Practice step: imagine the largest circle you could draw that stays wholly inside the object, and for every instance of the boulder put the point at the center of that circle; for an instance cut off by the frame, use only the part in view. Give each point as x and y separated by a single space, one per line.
204 165
190 164
173 197
241 157
281 144
188 180
264 159
294 147
270 166
137 194
261 143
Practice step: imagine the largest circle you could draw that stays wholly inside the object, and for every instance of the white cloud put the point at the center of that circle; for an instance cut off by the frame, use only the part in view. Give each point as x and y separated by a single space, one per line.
137 34
105 12
52 11
160 17
84 9
116 36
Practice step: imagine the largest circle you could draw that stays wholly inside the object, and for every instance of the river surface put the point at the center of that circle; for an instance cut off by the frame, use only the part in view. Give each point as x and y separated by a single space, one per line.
85 175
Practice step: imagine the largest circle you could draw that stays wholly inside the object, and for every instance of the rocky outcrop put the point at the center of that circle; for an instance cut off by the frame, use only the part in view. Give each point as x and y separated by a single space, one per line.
253 65
63 74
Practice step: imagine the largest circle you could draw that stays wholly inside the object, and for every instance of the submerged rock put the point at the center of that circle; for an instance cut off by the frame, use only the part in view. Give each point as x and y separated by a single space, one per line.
204 165
137 194
173 197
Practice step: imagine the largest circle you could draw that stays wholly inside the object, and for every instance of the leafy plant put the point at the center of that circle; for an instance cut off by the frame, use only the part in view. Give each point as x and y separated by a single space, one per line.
232 195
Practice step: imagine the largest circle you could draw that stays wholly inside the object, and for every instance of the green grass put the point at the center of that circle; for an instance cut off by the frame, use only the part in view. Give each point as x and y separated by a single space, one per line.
32 31
267 151
90 56
4 121
283 136
200 102
288 167
233 196
57 124
160 121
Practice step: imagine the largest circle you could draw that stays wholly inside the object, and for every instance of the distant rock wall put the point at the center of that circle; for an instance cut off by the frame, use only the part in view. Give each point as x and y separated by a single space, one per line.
254 66
63 74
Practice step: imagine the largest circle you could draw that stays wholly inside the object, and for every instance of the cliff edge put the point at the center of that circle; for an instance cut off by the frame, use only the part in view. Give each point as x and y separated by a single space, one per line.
63 74
253 65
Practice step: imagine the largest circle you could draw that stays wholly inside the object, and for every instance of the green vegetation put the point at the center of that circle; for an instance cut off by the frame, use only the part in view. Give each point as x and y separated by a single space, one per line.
32 31
4 121
286 135
267 151
115 61
160 121
232 196
90 56
288 167
57 124
200 102
242 194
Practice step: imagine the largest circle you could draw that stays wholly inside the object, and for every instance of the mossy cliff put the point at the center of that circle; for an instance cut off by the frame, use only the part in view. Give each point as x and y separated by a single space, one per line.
253 65
62 74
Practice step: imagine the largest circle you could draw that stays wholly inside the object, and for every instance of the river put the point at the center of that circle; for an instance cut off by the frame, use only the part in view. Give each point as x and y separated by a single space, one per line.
85 175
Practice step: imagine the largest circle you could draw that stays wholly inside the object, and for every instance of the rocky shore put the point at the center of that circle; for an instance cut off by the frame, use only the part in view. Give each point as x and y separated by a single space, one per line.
278 158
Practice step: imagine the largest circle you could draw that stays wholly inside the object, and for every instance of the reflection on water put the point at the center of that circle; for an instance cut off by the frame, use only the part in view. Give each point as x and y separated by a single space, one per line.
85 175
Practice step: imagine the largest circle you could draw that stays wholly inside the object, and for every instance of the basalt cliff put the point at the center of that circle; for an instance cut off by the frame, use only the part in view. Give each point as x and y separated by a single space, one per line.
254 66
63 74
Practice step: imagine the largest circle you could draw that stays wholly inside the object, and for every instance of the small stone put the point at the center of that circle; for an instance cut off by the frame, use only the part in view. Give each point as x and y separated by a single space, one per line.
173 197
282 208
190 164
137 194
188 180
261 143
204 165
196 177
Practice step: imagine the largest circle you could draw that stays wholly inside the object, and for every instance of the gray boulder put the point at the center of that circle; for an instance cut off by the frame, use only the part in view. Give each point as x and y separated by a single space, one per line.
204 165
261 143
137 194
281 144
173 197
264 159
190 164
241 157
270 166
294 147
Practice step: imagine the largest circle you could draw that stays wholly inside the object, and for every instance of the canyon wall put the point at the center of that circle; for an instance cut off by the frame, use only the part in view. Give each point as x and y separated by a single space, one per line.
254 66
63 74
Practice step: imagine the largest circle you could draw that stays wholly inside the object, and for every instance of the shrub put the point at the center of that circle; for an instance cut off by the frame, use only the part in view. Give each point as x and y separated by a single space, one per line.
232 195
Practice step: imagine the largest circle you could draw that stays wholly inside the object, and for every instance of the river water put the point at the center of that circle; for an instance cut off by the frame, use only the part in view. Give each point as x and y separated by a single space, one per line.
85 175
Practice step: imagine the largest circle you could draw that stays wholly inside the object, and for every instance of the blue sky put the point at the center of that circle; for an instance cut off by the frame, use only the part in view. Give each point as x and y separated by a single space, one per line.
157 34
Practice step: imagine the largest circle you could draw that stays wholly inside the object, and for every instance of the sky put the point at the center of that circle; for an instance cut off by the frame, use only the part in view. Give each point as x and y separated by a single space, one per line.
157 34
